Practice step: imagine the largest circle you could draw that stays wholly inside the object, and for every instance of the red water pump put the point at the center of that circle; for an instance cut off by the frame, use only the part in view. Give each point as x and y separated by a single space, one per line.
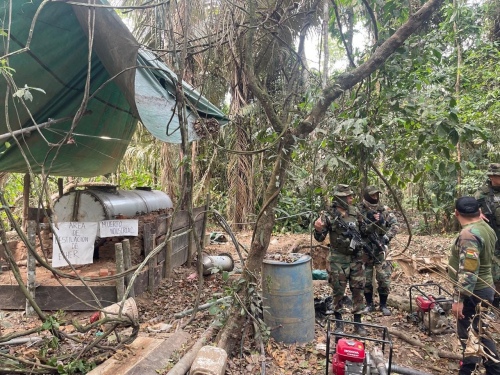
349 357
425 303
431 311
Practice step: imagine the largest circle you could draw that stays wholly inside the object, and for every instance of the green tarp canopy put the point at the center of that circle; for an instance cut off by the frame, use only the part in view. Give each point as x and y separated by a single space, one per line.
57 62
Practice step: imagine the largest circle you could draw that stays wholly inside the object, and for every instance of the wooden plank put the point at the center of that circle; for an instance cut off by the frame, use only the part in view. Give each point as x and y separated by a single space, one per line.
167 267
162 223
127 262
157 275
159 358
56 297
148 238
182 218
141 283
141 347
31 267
120 282
160 258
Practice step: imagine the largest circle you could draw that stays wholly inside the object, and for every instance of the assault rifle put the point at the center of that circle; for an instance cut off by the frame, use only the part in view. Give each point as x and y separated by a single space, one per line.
349 231
373 238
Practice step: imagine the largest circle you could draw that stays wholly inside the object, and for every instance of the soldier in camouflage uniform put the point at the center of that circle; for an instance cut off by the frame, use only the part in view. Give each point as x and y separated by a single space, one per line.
346 262
382 227
488 197
470 267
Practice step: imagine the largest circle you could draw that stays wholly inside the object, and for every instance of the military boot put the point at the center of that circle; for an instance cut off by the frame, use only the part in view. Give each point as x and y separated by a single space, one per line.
339 326
383 305
369 304
359 329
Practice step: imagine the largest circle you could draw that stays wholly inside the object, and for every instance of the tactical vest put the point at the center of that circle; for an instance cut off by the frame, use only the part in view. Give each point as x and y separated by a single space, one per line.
380 229
338 242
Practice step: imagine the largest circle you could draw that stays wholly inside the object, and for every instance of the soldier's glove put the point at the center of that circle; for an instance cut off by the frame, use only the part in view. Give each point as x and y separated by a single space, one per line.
386 239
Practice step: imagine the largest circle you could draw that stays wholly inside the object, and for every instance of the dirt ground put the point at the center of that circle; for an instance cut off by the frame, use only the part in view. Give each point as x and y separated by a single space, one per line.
179 293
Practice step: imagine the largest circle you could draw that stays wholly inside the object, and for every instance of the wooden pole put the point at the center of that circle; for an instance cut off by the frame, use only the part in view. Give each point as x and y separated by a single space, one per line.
205 219
26 199
31 266
127 261
148 247
167 270
120 282
60 187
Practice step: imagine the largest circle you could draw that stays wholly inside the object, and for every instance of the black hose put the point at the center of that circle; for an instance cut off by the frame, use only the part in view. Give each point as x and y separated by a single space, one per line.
406 371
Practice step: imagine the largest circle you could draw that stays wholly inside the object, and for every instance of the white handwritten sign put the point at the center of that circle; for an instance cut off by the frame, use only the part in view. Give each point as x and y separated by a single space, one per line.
77 243
118 228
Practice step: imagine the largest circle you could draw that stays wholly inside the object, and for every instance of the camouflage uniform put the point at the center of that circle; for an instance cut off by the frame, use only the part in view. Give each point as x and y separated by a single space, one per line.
383 231
488 197
471 256
346 264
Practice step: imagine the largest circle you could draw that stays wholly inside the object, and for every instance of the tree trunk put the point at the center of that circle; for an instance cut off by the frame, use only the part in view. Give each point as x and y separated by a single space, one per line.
265 220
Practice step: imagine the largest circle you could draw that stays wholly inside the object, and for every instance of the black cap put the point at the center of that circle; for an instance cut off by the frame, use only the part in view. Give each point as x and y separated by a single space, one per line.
467 205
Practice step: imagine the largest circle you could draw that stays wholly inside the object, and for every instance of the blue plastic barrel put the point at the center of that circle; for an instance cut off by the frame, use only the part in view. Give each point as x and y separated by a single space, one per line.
288 299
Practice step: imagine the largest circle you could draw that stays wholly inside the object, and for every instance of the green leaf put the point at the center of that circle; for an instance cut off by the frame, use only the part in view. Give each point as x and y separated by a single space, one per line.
417 177
213 310
453 117
225 275
454 137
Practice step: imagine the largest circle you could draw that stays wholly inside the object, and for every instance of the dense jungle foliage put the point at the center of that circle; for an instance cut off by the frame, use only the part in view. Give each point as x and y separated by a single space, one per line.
428 119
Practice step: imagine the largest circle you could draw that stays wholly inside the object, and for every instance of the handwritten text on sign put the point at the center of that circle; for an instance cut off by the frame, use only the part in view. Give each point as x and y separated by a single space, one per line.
77 243
117 228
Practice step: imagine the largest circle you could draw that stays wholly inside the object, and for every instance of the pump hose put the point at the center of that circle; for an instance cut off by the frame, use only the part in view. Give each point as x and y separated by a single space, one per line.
406 371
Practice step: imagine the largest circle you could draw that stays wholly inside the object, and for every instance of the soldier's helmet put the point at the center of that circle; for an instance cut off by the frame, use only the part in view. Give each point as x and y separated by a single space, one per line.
372 190
494 169
342 190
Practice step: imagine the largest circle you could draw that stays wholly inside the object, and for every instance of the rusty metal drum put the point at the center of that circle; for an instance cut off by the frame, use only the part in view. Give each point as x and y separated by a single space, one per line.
288 299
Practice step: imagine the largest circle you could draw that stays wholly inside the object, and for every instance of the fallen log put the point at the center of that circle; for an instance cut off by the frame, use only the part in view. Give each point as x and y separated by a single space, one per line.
400 303
419 344
185 362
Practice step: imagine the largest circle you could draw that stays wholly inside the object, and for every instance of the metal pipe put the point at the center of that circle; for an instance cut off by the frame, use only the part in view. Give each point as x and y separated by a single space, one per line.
378 359
406 371
222 261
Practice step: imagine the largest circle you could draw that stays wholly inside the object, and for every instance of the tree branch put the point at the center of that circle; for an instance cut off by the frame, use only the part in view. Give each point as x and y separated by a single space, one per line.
337 17
372 16
348 79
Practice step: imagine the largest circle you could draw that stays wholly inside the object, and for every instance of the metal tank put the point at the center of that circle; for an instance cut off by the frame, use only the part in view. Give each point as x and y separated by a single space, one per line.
106 203
288 299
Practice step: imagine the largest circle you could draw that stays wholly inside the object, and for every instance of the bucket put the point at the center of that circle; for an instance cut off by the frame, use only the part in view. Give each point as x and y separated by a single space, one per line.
223 261
209 361
288 299
129 310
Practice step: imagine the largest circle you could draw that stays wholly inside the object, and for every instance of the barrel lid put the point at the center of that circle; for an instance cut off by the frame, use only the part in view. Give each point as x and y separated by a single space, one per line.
299 259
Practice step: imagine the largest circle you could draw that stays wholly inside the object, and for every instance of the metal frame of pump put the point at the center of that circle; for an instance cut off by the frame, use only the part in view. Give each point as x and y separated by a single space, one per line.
429 297
386 339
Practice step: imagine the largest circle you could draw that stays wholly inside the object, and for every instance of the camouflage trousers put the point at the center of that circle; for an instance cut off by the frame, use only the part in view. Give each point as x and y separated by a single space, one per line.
383 272
343 269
